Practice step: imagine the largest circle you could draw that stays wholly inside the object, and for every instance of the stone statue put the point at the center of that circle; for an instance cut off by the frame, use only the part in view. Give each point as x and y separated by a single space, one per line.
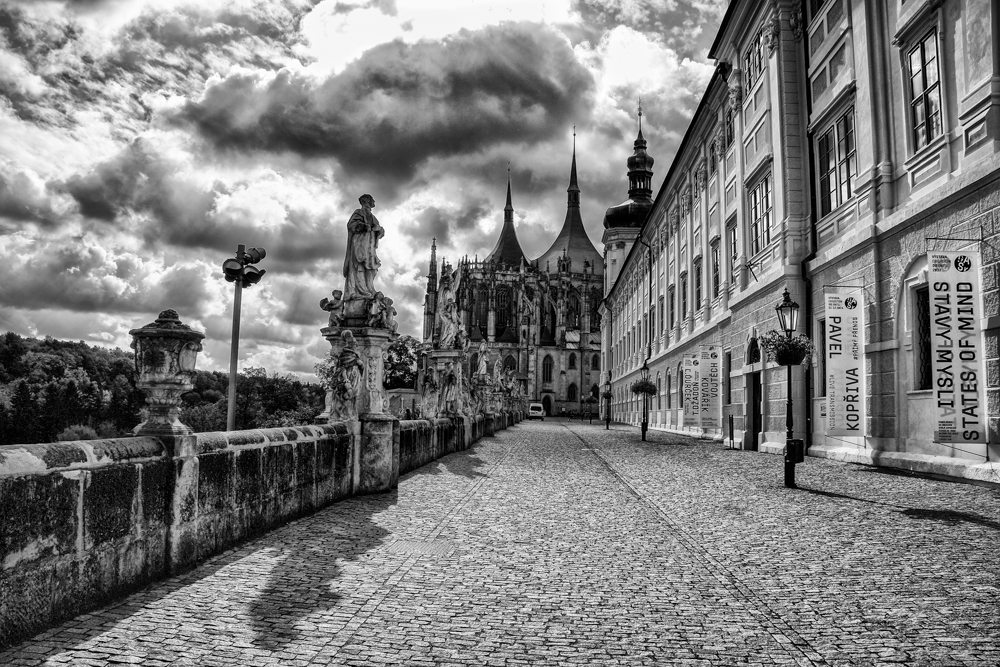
449 389
380 313
483 371
361 263
335 307
448 315
429 394
497 374
346 382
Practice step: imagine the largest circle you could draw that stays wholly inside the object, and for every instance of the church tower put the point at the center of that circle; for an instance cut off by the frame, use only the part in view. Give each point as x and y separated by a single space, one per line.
623 222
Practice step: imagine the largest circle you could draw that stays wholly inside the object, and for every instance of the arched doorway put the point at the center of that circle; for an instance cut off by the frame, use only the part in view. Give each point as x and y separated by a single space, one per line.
547 404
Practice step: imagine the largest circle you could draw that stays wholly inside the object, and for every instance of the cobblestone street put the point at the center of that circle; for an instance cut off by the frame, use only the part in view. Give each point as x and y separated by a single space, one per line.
560 543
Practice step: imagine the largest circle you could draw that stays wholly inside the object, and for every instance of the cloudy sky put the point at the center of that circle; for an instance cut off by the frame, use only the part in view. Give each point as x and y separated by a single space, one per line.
142 140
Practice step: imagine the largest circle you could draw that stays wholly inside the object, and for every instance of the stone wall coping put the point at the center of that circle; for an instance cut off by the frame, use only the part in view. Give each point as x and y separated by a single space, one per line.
42 458
265 437
980 471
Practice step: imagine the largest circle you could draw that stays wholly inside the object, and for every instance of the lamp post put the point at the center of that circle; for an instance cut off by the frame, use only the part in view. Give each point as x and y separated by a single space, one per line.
239 270
788 316
607 408
645 400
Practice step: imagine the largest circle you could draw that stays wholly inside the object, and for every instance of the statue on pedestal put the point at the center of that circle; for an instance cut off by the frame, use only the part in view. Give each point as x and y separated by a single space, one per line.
345 383
448 316
335 307
361 262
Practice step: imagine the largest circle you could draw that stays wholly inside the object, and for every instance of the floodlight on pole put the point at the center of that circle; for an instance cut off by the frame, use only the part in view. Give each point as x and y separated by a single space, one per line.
239 270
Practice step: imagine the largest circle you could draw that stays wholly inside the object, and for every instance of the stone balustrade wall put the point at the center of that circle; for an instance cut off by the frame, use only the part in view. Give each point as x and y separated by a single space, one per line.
84 523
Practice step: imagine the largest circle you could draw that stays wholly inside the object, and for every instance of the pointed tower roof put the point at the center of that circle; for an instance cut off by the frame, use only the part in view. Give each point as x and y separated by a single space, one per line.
573 239
632 212
508 249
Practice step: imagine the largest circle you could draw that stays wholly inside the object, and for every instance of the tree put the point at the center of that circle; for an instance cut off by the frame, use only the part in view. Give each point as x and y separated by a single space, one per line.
24 415
401 364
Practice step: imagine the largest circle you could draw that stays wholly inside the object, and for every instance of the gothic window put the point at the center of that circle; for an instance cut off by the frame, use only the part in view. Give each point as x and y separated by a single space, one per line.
573 311
503 308
571 393
595 363
753 352
547 369
572 361
510 363
483 309
595 302
473 363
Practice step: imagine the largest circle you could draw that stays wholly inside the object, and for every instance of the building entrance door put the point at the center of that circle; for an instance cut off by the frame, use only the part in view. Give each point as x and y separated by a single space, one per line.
547 404
755 420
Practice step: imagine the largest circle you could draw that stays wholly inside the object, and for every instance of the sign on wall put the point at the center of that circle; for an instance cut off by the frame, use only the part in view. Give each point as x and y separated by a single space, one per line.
958 379
710 394
845 364
691 390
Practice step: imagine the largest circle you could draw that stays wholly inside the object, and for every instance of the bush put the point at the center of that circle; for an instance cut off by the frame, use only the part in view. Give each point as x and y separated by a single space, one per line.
77 432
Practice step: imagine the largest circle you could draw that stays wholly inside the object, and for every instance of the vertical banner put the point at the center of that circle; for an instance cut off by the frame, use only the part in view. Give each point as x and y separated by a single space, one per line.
710 396
691 393
845 364
957 376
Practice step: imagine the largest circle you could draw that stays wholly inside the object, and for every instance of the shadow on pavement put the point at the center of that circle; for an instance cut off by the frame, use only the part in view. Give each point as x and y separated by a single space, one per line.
951 517
300 583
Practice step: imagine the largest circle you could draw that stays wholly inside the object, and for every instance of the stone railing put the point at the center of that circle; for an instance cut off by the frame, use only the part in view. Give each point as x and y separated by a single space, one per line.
88 522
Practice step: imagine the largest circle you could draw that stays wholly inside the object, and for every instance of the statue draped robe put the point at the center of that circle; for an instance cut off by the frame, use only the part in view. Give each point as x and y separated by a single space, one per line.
361 263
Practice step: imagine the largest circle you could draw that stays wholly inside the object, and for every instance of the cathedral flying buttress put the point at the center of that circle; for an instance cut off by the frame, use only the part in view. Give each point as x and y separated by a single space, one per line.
538 317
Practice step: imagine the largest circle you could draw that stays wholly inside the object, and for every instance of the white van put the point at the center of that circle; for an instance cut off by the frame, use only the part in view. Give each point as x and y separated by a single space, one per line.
536 411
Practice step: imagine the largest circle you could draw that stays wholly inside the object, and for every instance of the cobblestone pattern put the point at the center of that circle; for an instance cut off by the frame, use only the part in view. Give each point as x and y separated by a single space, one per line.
559 543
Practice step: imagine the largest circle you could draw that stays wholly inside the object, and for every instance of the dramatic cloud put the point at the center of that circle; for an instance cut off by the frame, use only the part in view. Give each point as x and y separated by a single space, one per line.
400 104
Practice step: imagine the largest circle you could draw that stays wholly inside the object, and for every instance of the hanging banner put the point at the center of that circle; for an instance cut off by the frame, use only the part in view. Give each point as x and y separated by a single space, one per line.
710 395
845 364
691 390
957 368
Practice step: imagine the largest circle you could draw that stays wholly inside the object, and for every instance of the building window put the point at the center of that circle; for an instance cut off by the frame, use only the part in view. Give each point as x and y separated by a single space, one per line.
572 361
510 364
547 369
595 363
753 61
753 352
837 163
697 283
668 391
716 269
922 338
734 252
711 158
925 91
680 385
684 295
760 215
659 396
474 363
571 393
727 369
659 305
671 306
730 128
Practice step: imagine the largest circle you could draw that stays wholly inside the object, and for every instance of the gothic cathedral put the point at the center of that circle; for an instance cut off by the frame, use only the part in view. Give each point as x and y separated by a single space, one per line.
539 316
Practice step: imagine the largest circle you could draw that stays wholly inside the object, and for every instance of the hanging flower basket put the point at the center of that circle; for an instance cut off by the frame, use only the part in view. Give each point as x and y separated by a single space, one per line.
644 387
783 350
606 394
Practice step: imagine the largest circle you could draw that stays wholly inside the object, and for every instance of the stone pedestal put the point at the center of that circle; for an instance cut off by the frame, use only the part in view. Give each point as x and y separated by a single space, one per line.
378 453
370 345
451 398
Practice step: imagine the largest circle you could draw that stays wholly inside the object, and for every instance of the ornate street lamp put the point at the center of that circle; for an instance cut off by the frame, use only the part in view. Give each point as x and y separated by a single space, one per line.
607 408
645 400
788 317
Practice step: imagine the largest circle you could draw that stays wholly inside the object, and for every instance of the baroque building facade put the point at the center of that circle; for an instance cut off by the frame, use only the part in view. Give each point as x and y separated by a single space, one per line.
538 317
838 146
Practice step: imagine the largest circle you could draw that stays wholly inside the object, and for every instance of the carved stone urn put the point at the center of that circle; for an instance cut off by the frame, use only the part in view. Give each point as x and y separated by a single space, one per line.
165 355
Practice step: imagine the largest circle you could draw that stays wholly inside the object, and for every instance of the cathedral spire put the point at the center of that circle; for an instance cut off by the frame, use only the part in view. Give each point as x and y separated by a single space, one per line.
573 198
640 168
508 210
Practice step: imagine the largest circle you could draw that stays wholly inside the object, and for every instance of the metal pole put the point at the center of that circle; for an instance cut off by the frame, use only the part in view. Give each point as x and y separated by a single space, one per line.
234 348
645 415
789 461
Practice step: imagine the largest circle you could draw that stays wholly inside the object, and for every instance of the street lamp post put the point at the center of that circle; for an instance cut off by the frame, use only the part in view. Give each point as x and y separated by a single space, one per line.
788 316
239 270
645 400
607 408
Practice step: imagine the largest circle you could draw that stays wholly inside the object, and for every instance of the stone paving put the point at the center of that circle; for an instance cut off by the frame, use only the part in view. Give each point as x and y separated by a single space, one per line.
560 543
